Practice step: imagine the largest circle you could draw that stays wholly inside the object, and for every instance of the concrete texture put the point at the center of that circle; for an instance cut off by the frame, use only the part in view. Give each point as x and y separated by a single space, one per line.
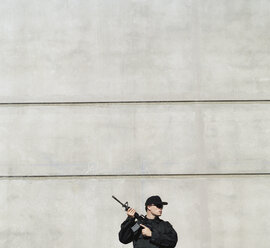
96 50
134 139
134 50
80 213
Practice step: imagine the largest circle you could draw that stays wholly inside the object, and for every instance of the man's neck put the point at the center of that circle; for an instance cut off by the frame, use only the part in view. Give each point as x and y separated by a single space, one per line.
150 216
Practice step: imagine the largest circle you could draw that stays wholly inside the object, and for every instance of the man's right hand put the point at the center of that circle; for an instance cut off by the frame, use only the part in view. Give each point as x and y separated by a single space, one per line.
131 212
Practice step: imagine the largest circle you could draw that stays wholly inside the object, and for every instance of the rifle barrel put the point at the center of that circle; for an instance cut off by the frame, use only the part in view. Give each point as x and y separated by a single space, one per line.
118 201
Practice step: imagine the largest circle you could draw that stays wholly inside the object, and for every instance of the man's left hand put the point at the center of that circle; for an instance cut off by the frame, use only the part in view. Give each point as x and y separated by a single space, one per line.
146 231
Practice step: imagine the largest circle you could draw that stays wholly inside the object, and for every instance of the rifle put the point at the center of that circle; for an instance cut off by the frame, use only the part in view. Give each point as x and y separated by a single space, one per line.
140 218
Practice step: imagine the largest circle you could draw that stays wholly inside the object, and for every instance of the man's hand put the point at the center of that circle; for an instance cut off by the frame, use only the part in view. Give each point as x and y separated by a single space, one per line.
131 212
146 231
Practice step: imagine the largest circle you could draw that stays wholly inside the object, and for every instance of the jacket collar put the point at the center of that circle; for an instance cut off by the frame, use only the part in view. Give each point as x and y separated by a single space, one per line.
157 219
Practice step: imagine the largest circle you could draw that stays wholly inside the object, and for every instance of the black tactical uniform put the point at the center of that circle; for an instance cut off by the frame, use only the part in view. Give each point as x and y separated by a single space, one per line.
163 234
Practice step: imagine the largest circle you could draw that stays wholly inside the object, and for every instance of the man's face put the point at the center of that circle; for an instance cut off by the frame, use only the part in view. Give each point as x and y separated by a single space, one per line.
155 210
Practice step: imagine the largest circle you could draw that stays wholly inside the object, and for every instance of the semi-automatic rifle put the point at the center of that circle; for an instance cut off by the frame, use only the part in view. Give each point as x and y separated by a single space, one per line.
140 218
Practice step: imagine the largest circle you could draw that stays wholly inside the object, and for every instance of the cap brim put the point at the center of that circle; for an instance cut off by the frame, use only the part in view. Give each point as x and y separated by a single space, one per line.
164 203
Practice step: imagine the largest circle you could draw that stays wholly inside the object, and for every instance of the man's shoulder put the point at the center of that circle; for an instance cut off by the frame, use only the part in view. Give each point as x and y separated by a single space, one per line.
165 222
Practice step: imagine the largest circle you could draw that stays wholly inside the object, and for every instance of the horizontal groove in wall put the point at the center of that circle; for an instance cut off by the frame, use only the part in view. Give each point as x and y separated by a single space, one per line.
117 176
134 102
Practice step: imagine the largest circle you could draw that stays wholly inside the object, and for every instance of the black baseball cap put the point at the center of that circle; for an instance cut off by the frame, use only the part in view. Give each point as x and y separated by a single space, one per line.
155 200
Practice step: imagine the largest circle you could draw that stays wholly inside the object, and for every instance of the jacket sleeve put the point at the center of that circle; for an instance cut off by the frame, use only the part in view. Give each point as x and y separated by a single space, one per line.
126 235
167 239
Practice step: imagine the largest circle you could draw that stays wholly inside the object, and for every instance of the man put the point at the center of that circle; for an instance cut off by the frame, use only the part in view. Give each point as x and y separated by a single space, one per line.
154 232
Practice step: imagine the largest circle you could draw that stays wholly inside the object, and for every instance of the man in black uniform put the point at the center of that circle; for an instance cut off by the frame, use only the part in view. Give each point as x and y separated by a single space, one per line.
154 232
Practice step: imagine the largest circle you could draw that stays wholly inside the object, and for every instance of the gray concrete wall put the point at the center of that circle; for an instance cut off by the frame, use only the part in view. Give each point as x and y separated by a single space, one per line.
134 98
175 138
218 211
77 50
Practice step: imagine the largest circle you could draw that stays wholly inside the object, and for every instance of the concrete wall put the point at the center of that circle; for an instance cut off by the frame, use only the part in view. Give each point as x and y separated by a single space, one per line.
134 98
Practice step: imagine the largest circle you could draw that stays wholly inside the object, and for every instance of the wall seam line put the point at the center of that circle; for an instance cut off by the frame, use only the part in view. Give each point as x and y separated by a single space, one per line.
133 102
133 176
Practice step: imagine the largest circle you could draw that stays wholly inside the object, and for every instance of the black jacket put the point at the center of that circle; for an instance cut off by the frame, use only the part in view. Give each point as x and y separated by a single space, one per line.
163 234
